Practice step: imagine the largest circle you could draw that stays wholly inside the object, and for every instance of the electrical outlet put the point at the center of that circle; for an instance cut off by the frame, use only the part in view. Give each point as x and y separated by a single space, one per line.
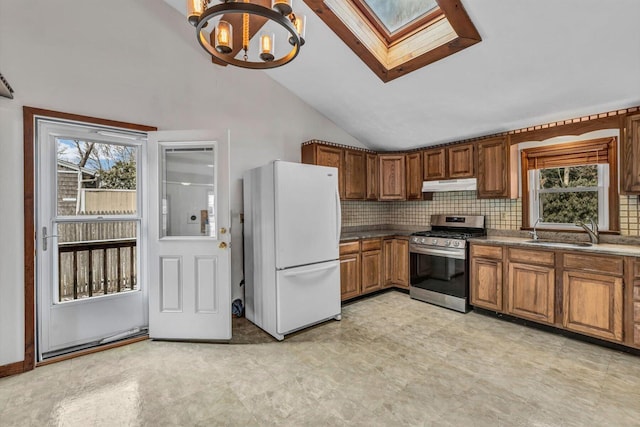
504 216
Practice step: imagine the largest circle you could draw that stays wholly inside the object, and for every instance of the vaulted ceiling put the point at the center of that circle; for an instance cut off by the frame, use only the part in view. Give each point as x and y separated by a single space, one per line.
539 61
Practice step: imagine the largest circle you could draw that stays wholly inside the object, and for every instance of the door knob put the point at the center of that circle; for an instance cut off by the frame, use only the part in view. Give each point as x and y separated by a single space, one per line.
223 230
222 245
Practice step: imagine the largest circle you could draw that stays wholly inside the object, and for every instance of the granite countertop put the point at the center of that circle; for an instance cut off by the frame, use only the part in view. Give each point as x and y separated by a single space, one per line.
600 248
357 233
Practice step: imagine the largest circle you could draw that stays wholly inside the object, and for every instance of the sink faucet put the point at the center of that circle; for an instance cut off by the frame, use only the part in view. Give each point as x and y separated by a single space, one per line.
593 232
534 234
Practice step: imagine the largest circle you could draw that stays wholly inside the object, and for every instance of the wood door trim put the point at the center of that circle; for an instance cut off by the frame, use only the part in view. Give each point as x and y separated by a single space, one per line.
29 115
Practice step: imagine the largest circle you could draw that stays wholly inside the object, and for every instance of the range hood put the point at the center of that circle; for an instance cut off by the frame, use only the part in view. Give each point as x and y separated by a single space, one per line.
467 184
5 89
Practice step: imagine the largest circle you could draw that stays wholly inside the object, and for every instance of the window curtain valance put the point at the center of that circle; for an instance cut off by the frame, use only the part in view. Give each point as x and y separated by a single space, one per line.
589 152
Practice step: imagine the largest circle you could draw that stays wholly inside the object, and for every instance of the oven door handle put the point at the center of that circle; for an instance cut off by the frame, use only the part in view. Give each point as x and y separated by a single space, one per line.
448 253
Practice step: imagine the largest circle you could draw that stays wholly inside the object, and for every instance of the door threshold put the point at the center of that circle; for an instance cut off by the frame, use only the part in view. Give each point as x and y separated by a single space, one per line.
83 350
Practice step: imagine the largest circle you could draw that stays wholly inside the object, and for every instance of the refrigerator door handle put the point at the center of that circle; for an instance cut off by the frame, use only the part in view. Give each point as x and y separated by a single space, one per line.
338 218
313 270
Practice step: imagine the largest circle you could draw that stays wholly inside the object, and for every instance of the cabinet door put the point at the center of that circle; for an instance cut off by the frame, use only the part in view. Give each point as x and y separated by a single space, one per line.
371 271
401 263
531 292
486 283
387 252
493 168
355 175
460 161
392 177
349 276
434 164
325 155
414 176
592 304
630 157
372 177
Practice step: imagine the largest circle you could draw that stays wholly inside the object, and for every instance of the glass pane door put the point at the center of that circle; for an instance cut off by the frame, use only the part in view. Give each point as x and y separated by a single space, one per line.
188 191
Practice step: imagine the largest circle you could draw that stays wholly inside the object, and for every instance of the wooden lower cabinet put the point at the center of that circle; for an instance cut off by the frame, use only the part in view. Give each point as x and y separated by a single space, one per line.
371 270
401 263
349 276
361 267
632 304
531 292
387 256
486 283
396 263
350 279
592 304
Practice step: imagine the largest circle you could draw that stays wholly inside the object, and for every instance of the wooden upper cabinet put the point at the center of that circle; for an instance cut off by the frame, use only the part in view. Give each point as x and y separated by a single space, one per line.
630 156
355 175
460 161
494 168
392 177
372 177
326 155
414 176
434 164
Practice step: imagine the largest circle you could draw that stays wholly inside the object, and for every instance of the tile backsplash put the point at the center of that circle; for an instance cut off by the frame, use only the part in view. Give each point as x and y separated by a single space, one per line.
500 214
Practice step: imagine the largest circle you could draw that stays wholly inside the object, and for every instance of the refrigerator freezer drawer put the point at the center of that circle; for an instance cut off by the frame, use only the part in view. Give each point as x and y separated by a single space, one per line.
307 295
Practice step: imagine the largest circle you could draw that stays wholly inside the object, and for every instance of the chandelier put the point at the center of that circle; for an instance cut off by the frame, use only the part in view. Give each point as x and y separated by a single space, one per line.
250 16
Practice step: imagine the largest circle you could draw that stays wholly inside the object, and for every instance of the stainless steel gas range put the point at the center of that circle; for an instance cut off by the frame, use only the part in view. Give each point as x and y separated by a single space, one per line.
439 260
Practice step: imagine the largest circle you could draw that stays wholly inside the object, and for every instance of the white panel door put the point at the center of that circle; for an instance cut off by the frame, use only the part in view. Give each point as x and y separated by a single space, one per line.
307 214
307 295
189 234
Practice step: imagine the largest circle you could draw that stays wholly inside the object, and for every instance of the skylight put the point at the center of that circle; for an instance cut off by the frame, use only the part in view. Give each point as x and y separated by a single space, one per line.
396 14
396 37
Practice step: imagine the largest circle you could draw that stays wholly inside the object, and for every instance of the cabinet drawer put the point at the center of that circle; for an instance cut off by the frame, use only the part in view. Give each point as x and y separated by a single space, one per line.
349 247
371 245
636 268
493 252
636 311
636 290
531 257
600 264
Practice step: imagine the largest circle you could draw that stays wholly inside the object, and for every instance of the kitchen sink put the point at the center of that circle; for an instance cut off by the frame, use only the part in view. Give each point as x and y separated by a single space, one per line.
560 243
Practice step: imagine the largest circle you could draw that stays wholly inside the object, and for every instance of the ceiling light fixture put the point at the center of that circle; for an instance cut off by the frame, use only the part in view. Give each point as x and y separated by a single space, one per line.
250 16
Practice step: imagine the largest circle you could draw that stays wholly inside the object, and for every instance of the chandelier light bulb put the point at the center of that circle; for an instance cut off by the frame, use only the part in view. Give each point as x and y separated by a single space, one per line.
195 8
300 23
224 37
267 47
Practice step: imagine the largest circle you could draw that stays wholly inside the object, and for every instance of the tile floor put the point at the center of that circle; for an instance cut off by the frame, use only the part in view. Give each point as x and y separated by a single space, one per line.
391 361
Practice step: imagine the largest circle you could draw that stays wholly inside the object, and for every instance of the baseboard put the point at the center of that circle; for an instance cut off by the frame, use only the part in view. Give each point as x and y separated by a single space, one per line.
12 369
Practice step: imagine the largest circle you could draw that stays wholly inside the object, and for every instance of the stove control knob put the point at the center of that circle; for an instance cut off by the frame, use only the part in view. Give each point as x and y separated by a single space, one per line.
447 243
423 240
434 242
456 243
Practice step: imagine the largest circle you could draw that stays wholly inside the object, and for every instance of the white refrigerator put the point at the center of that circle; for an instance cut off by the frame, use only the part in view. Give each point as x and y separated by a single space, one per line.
291 246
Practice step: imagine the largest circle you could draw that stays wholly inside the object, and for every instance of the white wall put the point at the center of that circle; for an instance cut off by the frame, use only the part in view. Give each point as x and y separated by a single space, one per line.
136 61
